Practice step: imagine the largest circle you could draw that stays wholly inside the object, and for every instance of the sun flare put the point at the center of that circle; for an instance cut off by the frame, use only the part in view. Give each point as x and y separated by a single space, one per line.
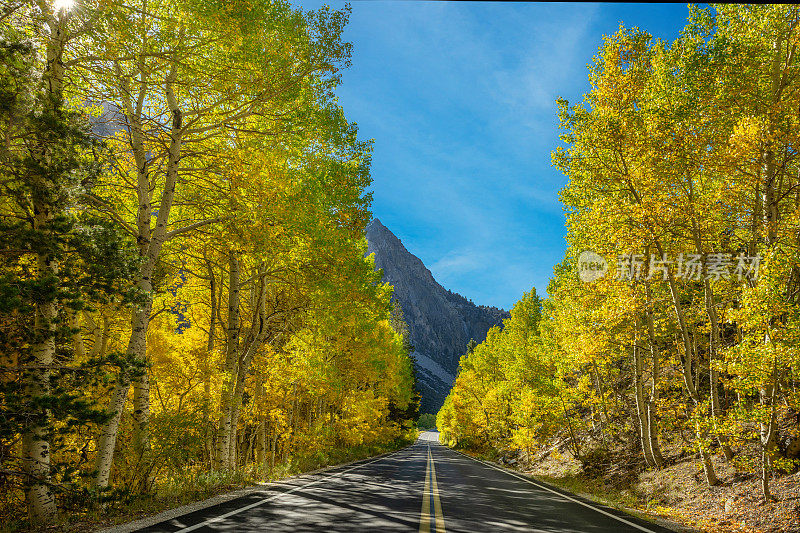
63 5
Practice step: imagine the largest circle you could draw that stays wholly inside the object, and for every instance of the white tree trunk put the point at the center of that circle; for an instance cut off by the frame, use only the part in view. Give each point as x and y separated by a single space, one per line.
36 452
222 455
150 243
108 437
689 378
35 443
641 408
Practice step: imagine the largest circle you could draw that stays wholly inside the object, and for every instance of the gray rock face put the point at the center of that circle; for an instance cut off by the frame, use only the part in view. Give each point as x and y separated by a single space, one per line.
440 322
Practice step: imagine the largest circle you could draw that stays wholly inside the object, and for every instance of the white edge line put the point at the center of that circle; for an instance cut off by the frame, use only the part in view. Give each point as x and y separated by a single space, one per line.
548 489
265 500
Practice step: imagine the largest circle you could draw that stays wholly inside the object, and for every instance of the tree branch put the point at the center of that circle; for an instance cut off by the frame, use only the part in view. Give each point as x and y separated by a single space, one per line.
192 227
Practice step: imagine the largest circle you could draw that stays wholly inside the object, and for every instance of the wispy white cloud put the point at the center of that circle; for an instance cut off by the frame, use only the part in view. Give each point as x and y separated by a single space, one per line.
458 262
549 59
460 98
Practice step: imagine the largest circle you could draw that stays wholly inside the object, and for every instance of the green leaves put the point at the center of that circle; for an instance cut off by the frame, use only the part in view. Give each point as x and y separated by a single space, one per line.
679 148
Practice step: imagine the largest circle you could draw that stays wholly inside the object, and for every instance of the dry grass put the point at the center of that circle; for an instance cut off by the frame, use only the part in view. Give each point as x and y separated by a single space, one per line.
678 493
194 486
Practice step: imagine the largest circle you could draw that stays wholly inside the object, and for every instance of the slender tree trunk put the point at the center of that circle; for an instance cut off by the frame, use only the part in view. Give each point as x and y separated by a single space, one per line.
772 194
767 449
141 385
768 392
35 440
141 428
689 379
231 364
717 413
101 337
273 449
261 444
652 423
150 241
78 345
234 412
210 345
708 466
769 430
291 422
108 436
260 430
249 454
36 446
601 393
136 345
641 407
715 342
689 350
573 438
652 401
256 336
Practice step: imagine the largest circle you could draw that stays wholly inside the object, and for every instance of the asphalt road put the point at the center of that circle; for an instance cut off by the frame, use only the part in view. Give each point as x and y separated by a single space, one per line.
425 488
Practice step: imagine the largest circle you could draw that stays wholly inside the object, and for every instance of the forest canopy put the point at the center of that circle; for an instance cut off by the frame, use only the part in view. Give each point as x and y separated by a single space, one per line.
679 335
184 293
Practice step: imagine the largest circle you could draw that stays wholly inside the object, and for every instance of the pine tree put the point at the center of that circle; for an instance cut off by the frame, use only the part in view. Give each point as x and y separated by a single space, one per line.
56 259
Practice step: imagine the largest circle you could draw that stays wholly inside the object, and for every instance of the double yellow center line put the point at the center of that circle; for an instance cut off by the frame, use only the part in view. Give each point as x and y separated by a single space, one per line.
430 495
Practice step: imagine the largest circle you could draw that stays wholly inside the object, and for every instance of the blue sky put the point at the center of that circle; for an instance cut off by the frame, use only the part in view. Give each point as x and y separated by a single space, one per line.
460 99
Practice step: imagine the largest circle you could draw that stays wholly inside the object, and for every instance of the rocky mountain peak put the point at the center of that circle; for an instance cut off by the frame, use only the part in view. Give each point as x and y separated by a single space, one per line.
440 322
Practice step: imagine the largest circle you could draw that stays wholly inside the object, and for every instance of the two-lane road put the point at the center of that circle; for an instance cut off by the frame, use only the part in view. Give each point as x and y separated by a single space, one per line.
423 488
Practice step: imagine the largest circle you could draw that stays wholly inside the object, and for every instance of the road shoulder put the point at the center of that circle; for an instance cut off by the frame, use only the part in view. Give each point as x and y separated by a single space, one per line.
170 514
590 499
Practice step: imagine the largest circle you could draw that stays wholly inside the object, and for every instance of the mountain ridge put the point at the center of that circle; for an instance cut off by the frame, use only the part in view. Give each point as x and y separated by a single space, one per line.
440 322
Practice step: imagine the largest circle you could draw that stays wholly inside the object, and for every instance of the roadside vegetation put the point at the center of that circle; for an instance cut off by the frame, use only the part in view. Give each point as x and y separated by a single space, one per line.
188 487
671 358
426 421
185 302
